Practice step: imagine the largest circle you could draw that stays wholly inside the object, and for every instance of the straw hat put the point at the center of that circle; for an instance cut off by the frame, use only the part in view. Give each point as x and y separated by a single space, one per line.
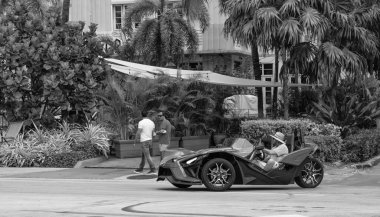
279 137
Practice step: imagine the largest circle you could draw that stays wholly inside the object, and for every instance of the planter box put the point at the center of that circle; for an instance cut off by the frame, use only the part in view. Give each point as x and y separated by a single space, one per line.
126 149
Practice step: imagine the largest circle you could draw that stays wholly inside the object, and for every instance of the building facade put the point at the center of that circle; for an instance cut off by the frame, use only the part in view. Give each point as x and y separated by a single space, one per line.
216 52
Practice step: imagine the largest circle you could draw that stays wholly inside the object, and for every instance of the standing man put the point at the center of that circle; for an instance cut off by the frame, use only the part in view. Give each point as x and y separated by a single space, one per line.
164 133
144 135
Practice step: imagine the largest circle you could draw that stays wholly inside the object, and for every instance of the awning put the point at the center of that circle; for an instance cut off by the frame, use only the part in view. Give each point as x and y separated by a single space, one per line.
147 71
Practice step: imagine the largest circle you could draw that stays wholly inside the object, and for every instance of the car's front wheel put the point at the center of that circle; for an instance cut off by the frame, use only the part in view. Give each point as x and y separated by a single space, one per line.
311 174
218 174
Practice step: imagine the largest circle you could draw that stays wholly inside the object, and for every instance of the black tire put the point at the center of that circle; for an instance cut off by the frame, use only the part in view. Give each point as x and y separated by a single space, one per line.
218 174
181 186
311 174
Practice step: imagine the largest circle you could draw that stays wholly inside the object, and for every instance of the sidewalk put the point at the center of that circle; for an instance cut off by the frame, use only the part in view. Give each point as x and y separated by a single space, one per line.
123 163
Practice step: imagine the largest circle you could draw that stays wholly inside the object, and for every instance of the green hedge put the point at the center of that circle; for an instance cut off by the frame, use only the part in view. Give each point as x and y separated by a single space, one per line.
254 129
361 146
330 147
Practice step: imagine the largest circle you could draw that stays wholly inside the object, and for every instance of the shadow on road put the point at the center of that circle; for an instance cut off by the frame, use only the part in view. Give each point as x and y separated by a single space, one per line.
256 188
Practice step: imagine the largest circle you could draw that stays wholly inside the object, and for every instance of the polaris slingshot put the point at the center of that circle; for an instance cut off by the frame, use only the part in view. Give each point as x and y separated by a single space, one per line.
238 164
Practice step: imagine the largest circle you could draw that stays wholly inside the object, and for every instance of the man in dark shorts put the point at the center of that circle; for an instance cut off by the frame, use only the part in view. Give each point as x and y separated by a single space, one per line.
164 133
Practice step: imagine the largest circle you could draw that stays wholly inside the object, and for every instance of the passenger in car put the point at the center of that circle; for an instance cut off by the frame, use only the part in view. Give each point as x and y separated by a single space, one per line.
275 155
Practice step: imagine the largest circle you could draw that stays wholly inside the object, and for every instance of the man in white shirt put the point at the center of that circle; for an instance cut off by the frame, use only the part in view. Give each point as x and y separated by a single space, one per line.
145 135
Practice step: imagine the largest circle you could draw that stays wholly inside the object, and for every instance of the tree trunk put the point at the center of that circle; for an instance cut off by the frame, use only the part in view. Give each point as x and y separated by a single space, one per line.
65 11
285 93
275 91
297 91
257 73
285 86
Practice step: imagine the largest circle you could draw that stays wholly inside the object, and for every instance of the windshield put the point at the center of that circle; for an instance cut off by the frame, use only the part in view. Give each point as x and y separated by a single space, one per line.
242 145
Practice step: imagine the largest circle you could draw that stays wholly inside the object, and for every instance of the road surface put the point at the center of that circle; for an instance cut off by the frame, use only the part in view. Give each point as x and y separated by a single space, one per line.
357 195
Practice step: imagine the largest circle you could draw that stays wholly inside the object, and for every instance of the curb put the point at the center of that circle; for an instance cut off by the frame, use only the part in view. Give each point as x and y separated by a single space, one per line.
369 163
89 162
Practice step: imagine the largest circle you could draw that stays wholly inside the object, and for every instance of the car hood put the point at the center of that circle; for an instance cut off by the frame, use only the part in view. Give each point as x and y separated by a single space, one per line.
178 153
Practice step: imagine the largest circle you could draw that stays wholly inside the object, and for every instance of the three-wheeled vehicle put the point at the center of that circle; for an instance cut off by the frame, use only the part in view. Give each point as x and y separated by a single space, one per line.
239 164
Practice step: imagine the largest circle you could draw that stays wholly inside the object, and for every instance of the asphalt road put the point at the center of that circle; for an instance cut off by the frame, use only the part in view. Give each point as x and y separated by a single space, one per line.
25 195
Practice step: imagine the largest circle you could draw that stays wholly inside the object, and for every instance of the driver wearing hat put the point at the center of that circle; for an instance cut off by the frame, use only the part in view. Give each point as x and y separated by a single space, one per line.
275 154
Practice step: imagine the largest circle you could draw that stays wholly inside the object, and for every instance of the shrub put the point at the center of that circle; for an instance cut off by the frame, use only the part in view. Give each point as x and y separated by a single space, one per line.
27 151
19 154
38 146
361 146
329 147
67 159
92 135
256 128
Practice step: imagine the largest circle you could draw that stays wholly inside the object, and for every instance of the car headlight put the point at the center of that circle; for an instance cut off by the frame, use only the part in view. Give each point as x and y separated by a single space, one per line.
191 161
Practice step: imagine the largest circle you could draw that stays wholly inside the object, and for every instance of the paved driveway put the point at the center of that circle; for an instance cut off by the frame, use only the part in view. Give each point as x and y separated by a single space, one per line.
116 192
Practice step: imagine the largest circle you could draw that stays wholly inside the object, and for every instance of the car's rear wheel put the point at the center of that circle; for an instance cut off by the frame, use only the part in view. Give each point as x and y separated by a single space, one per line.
311 174
218 174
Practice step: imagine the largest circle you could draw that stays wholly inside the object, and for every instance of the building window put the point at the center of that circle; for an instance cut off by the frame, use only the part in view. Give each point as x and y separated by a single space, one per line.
119 12
118 16
268 69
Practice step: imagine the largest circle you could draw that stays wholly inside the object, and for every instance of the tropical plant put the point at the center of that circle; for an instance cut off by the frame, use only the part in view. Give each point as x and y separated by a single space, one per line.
92 136
38 7
358 107
188 107
46 66
162 38
118 110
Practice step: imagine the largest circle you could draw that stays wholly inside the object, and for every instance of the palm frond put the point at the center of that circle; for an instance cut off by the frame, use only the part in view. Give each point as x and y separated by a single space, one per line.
290 8
290 32
197 10
139 10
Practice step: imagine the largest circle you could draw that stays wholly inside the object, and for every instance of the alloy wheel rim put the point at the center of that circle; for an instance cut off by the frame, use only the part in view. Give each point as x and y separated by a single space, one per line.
311 173
219 175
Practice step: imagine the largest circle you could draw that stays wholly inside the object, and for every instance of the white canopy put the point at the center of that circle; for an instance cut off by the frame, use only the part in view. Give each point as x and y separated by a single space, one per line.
147 71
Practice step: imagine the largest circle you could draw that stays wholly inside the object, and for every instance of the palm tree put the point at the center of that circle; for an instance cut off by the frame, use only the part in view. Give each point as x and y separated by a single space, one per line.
240 25
342 40
160 39
187 107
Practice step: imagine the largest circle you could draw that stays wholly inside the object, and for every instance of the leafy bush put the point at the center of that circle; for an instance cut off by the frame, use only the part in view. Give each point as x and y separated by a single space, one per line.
92 135
256 128
19 154
329 147
59 64
361 146
38 146
67 159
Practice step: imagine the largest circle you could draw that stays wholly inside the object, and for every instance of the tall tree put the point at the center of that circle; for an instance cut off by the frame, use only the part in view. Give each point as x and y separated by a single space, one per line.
241 25
342 41
163 34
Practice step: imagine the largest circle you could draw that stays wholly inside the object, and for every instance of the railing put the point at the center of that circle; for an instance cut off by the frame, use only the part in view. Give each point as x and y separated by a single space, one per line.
241 113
